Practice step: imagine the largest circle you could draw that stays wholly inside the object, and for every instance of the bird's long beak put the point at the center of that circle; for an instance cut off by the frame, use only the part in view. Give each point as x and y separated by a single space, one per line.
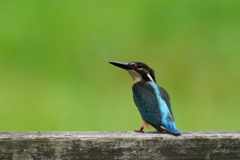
122 65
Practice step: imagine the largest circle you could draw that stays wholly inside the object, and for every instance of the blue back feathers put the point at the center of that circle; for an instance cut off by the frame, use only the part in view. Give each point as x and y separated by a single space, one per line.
154 106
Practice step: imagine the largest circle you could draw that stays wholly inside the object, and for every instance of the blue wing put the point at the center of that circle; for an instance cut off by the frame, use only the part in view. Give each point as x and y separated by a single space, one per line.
154 108
166 98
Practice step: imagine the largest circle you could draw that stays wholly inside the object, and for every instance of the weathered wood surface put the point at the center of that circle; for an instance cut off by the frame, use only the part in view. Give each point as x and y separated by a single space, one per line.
119 145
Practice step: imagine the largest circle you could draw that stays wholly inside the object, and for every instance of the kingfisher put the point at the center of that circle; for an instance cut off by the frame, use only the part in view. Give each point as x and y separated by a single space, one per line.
152 101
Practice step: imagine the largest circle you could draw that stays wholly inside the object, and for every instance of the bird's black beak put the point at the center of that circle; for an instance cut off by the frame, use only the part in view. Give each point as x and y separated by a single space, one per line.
122 65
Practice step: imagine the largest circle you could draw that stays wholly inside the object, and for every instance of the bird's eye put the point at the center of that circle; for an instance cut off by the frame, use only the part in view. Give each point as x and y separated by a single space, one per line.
139 65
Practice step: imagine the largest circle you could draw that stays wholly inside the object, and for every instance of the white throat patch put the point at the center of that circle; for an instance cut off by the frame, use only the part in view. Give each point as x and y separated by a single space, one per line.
149 76
135 75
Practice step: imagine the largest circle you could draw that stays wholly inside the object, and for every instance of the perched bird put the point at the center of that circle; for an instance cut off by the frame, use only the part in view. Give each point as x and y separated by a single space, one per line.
152 101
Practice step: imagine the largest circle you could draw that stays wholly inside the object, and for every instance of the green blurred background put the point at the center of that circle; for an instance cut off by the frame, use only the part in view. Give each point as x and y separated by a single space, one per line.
55 75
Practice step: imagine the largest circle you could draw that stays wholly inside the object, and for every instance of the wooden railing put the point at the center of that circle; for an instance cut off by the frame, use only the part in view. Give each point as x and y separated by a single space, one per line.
119 145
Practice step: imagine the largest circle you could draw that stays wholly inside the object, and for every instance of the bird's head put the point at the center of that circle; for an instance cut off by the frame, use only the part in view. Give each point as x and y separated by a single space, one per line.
138 70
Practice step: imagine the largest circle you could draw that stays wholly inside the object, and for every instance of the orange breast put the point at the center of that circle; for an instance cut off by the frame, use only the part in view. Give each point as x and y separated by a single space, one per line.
145 124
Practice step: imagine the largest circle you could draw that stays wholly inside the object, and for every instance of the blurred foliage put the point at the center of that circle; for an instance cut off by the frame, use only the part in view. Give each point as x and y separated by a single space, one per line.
55 74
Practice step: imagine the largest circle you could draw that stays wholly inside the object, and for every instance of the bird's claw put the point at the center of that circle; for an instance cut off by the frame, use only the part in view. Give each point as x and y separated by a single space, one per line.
140 131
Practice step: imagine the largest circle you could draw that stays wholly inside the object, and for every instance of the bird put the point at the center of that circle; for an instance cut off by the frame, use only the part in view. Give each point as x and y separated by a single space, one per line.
152 101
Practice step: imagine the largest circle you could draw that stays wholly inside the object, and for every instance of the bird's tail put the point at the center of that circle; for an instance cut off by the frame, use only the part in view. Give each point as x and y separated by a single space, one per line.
173 131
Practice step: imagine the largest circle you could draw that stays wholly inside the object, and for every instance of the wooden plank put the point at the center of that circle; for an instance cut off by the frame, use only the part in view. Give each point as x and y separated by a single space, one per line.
119 145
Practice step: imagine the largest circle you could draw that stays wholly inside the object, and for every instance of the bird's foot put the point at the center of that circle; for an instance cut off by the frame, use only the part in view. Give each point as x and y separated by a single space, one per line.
140 130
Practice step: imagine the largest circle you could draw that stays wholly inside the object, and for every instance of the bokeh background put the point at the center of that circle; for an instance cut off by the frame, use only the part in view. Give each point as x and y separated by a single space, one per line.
55 75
